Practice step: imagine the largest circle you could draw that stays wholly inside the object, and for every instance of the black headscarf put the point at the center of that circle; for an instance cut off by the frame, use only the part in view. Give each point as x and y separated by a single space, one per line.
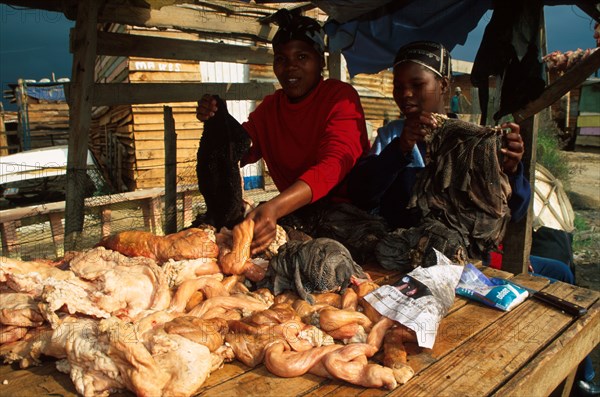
429 54
298 27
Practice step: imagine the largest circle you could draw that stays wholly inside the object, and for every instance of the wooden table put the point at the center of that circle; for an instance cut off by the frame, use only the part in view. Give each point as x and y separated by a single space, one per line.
479 351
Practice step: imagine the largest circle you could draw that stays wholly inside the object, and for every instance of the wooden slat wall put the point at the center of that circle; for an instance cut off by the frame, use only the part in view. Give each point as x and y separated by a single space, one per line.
129 139
148 123
48 123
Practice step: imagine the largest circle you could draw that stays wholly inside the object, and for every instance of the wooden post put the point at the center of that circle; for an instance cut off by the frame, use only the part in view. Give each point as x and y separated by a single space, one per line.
105 218
188 213
3 137
170 172
9 237
334 65
58 232
152 218
517 241
80 108
23 125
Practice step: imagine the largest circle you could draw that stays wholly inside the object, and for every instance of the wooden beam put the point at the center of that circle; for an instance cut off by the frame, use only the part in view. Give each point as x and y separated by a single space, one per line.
58 232
572 78
8 236
170 142
187 19
151 208
80 110
334 65
121 44
127 93
517 241
105 219
188 210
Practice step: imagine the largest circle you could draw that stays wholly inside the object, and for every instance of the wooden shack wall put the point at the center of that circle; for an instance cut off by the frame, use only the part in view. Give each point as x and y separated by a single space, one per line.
48 123
129 139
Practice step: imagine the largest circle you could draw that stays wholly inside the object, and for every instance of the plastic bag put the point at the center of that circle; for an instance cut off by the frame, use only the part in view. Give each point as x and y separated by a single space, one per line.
494 292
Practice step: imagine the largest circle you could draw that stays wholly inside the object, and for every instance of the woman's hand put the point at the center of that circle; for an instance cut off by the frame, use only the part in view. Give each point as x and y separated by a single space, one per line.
207 107
415 130
513 152
265 226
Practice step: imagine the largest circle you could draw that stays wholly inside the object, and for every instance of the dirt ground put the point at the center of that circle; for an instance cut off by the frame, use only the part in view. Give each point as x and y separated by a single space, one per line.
584 193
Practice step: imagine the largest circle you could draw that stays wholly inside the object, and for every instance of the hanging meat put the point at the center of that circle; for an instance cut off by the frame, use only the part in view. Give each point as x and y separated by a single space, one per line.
463 185
223 144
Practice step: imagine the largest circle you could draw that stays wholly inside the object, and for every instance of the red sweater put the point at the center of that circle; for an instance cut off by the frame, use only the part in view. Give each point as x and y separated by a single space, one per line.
317 140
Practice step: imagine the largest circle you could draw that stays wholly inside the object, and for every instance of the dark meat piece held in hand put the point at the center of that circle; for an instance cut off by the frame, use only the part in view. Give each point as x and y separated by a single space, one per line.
223 144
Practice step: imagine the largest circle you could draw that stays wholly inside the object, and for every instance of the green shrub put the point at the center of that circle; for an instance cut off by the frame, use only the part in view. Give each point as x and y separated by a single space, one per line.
548 149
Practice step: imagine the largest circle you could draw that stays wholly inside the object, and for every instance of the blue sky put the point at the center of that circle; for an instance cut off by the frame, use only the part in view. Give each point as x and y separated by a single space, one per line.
35 43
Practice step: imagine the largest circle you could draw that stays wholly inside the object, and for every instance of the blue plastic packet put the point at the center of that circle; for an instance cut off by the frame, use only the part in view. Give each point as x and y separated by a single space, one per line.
494 292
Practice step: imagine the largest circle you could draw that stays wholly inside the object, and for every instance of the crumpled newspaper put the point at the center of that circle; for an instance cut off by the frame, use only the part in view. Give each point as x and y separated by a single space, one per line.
420 299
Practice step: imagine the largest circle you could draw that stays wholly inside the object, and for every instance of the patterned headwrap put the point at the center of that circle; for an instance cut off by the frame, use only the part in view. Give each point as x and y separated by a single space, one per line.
298 27
429 54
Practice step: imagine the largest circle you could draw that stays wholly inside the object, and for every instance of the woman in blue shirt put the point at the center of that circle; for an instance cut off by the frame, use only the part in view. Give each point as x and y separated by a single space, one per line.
382 183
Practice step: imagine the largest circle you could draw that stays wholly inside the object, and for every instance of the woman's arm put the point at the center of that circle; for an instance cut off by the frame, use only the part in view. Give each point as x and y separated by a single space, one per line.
265 216
512 166
373 175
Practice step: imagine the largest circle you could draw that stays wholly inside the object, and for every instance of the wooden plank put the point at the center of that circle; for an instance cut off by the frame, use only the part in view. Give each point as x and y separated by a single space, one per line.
168 48
161 77
58 231
177 106
196 126
122 93
159 154
188 146
503 347
82 86
260 382
157 118
517 239
540 376
568 384
188 214
105 218
15 214
159 65
572 78
170 144
187 19
151 208
334 65
8 231
159 163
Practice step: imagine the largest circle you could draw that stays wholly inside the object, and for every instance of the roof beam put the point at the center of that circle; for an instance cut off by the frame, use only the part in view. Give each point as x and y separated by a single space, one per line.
187 19
121 44
109 94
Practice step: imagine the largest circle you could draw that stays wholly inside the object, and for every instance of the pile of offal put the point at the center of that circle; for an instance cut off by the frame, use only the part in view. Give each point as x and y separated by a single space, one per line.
158 314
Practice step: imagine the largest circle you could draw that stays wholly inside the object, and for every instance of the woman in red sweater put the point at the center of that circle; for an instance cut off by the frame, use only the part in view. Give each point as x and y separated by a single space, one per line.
310 132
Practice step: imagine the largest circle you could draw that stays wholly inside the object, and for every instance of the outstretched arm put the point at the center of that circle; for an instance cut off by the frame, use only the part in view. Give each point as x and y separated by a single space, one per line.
265 216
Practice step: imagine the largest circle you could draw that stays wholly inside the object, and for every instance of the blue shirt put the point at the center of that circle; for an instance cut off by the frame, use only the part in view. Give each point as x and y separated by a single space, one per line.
387 133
